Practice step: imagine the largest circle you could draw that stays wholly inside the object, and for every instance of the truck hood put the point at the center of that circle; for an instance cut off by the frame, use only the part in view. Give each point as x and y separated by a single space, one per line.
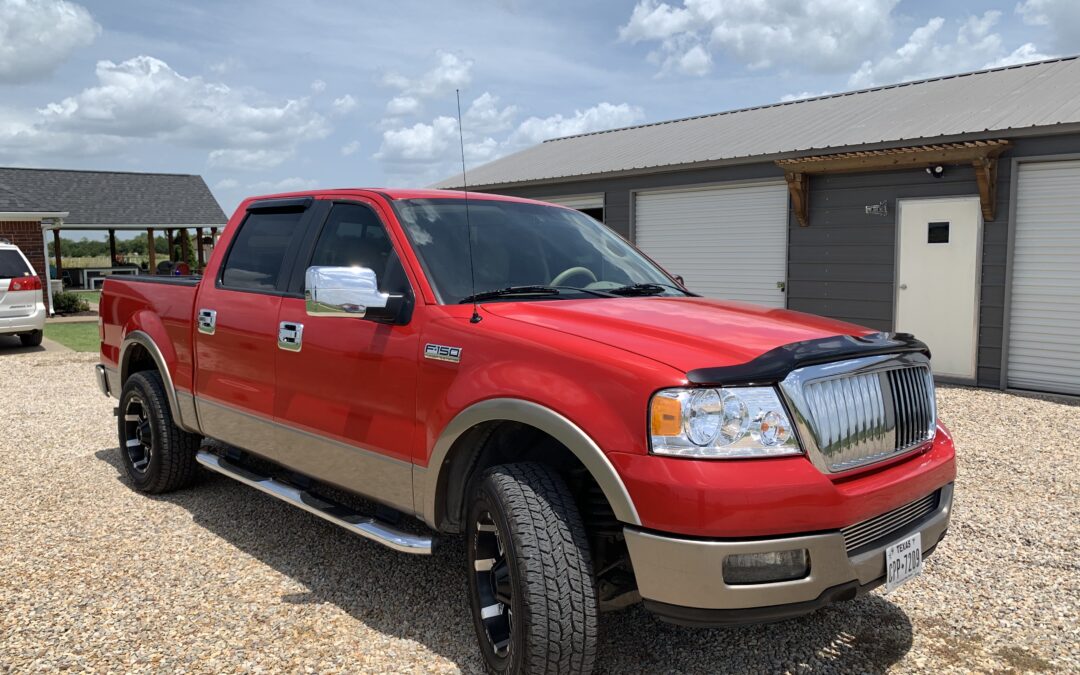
685 333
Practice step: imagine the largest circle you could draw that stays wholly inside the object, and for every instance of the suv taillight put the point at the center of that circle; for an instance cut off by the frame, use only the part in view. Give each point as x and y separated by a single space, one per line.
25 284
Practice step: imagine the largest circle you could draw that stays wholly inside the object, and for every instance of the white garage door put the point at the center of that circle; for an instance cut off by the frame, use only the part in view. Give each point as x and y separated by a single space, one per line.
1044 325
728 242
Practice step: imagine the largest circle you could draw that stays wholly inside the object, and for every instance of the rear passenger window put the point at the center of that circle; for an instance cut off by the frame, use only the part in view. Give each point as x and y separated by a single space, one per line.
257 256
12 265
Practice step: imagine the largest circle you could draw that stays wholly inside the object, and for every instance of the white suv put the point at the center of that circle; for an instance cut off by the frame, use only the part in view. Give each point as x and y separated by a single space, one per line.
22 303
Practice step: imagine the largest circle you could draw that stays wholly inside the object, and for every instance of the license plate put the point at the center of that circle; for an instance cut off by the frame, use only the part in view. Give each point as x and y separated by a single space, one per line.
903 561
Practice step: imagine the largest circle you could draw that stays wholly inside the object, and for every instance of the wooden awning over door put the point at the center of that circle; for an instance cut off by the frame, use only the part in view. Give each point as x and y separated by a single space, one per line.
982 155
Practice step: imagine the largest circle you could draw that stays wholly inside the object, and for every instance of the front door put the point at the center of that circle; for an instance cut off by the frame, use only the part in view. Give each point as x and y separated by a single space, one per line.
346 389
937 279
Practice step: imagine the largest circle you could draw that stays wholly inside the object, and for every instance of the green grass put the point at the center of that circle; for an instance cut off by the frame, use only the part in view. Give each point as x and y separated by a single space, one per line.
82 337
93 297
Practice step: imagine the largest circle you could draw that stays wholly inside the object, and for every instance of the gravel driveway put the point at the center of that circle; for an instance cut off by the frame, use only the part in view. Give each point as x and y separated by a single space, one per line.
222 578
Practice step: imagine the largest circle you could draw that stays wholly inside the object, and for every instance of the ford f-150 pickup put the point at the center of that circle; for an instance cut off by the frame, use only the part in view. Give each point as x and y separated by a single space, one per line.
516 373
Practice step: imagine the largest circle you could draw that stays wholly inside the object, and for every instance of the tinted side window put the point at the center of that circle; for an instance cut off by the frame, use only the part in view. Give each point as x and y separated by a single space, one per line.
258 254
353 236
12 265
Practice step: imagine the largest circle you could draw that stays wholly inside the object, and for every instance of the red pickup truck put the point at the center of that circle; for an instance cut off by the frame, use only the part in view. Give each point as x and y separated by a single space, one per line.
516 373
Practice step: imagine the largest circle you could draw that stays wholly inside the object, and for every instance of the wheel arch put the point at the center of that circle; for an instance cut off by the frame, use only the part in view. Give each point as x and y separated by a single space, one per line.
139 352
452 449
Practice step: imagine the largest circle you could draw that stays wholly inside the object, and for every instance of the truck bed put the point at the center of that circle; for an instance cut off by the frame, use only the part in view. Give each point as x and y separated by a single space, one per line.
163 307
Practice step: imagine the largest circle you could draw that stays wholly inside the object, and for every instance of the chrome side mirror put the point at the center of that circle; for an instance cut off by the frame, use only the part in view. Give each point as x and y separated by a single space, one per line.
342 291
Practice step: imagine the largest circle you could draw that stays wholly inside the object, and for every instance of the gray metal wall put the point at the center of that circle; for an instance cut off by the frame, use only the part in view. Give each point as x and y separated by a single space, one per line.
843 264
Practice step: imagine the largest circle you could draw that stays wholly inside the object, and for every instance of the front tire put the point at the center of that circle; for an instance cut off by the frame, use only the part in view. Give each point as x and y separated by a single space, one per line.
158 455
530 575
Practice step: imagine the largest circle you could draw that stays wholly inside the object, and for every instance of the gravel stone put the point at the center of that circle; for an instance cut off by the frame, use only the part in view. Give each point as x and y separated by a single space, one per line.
220 578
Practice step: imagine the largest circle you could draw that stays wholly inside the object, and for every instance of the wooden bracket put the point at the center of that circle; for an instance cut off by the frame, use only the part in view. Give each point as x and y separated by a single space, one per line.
986 177
798 184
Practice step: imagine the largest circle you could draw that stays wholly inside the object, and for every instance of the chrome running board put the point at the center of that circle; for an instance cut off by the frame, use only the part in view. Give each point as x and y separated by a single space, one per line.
365 526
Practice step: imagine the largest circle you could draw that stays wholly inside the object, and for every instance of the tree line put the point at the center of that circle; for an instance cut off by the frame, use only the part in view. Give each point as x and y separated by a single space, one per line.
89 248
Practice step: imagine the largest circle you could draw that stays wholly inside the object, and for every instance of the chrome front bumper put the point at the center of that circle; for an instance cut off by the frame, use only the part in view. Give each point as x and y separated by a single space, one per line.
682 580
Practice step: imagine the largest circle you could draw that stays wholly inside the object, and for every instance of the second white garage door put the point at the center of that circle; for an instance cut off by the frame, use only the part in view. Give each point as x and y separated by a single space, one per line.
726 242
1044 347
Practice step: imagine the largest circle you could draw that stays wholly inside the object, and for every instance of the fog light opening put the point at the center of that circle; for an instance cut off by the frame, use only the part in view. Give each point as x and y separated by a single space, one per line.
766 568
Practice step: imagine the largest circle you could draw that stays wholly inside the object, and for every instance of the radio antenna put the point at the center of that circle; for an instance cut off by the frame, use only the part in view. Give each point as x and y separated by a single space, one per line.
476 318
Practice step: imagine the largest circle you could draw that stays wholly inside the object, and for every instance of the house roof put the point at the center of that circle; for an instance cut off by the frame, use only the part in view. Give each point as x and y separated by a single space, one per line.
110 198
1043 95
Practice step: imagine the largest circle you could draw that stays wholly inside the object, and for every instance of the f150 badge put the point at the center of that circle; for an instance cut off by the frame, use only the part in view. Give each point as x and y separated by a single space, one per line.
443 353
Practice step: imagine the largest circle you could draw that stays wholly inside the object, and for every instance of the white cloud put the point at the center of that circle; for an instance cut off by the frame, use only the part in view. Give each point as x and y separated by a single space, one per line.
292 184
318 86
1062 17
803 95
485 117
926 54
450 72
597 118
822 35
227 184
403 105
1025 53
248 160
350 148
427 151
143 98
38 35
345 104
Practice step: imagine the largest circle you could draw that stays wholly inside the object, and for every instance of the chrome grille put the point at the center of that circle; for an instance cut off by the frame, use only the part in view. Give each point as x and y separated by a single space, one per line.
870 531
862 411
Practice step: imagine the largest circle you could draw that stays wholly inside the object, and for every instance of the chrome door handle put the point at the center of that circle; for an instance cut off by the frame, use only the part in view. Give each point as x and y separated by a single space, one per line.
207 321
290 336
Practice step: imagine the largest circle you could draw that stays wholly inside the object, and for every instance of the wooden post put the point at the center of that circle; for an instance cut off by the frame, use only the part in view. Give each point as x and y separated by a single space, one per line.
185 243
112 248
199 245
169 242
151 263
59 266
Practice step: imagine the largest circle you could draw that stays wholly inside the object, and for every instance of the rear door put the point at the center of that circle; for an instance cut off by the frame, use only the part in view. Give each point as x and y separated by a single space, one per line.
236 325
16 303
346 386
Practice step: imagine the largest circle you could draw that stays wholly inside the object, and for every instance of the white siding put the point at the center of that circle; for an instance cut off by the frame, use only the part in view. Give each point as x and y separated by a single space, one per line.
1044 325
727 242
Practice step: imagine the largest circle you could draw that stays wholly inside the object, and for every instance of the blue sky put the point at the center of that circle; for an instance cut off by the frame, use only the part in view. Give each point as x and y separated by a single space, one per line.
268 96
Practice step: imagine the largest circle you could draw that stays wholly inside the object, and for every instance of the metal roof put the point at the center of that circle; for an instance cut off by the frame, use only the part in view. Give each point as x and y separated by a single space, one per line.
1037 95
110 198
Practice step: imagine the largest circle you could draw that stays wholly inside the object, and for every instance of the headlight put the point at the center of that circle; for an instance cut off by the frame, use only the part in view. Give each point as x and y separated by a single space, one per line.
732 422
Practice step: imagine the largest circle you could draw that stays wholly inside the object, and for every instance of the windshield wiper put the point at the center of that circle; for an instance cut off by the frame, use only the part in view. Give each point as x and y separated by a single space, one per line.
639 289
510 291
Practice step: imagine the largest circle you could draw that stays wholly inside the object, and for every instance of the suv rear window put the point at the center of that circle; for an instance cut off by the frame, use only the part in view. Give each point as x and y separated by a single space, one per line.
258 253
12 265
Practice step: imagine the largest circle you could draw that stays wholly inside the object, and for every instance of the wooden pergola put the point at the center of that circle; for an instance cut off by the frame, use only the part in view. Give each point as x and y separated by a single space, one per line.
982 155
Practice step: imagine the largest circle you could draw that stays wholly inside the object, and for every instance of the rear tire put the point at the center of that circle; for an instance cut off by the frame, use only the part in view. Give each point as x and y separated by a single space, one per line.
31 339
158 455
531 584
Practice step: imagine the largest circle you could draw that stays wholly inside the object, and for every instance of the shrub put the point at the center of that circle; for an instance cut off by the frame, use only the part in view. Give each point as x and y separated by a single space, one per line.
69 303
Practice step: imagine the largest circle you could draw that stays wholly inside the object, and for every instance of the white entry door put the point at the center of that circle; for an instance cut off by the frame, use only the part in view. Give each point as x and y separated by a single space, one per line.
727 242
937 279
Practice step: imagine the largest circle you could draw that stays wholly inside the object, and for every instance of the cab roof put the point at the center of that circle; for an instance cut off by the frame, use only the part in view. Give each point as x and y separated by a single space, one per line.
401 193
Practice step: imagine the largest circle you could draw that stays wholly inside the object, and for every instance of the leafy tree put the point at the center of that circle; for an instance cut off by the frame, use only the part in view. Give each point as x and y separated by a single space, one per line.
178 249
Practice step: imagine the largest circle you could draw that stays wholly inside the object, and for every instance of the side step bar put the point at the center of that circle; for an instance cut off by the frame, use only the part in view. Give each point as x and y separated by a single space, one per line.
365 526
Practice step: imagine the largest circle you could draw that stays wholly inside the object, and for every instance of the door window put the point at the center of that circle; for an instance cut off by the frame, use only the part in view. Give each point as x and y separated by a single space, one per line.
353 236
258 253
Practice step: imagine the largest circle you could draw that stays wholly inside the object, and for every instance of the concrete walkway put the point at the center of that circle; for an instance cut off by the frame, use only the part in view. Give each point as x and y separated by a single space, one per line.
11 345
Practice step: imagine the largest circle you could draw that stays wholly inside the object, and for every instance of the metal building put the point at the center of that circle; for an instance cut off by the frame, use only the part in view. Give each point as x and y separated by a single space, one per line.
948 207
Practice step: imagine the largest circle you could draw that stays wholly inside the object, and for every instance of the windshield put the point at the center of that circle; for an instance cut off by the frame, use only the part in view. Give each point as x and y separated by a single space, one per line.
516 244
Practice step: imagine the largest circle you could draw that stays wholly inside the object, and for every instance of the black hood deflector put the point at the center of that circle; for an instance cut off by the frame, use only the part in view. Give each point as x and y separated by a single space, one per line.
775 364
